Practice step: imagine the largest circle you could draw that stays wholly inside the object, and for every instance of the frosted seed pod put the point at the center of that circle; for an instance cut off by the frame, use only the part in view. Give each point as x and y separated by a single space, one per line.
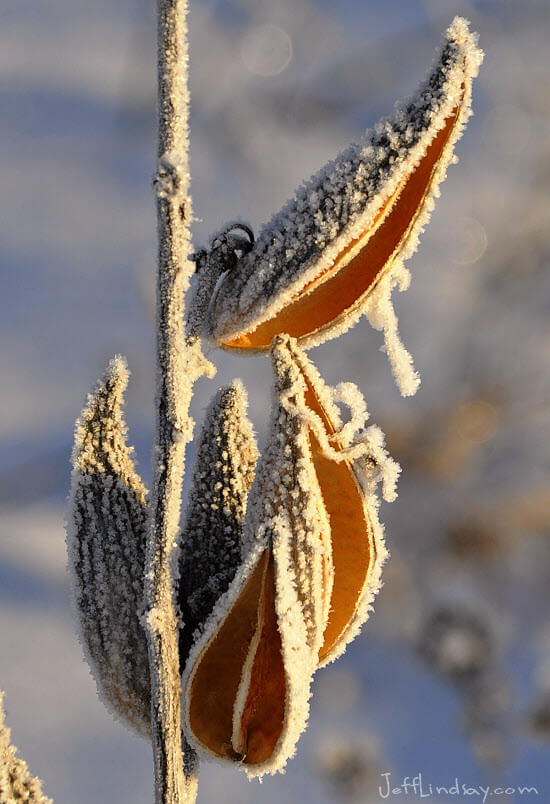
247 680
106 535
351 226
211 539
305 588
348 464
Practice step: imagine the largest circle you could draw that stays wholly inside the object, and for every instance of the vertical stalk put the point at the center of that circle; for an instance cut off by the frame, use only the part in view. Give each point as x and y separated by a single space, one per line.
179 364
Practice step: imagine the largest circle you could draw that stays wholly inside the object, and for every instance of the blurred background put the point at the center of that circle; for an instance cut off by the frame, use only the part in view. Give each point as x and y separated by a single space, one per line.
451 676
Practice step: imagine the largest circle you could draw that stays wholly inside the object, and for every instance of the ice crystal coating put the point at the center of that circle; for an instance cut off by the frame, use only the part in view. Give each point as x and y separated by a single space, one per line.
359 218
211 540
287 491
251 667
106 536
247 680
348 461
287 509
294 603
16 782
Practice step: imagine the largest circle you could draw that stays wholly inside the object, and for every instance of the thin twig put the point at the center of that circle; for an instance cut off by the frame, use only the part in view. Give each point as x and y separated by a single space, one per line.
179 364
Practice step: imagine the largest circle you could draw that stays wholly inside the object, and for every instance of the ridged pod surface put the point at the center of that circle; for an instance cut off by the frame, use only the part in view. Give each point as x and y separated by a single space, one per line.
106 535
212 535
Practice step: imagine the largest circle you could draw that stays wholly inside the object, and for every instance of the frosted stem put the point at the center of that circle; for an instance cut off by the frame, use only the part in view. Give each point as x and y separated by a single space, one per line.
179 364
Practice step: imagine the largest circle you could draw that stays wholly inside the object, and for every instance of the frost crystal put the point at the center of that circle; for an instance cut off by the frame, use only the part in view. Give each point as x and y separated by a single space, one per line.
211 541
106 534
16 782
336 250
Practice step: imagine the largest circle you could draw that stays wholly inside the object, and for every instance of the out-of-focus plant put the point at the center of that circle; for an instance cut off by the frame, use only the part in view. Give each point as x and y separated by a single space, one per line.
16 781
351 766
280 556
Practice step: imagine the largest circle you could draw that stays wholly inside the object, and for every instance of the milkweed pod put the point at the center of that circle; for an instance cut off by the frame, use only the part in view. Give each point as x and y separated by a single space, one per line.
247 681
212 535
341 241
106 536
348 462
286 500
313 551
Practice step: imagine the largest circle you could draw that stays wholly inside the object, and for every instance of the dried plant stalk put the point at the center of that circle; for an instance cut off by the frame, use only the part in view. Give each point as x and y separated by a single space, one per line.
179 364
276 585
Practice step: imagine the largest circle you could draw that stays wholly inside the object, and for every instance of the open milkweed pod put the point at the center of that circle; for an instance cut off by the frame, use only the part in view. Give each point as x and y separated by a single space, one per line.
248 677
337 248
247 680
287 502
106 536
348 462
212 535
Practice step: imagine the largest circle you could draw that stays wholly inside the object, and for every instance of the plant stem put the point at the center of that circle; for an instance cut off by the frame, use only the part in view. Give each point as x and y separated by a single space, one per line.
179 364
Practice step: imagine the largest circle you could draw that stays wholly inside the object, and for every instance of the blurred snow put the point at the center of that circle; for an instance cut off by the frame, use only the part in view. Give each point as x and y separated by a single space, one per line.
278 88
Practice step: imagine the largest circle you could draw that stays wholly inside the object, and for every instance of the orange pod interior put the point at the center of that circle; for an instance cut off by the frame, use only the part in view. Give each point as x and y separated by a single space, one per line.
353 550
246 649
345 285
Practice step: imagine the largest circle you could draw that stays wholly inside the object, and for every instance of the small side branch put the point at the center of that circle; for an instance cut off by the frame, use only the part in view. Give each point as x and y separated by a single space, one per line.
179 364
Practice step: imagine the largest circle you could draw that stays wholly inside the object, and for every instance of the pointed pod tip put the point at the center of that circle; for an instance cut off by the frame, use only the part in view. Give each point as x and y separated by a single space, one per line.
460 34
101 431
284 362
459 29
230 404
16 781
235 393
117 370
107 394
